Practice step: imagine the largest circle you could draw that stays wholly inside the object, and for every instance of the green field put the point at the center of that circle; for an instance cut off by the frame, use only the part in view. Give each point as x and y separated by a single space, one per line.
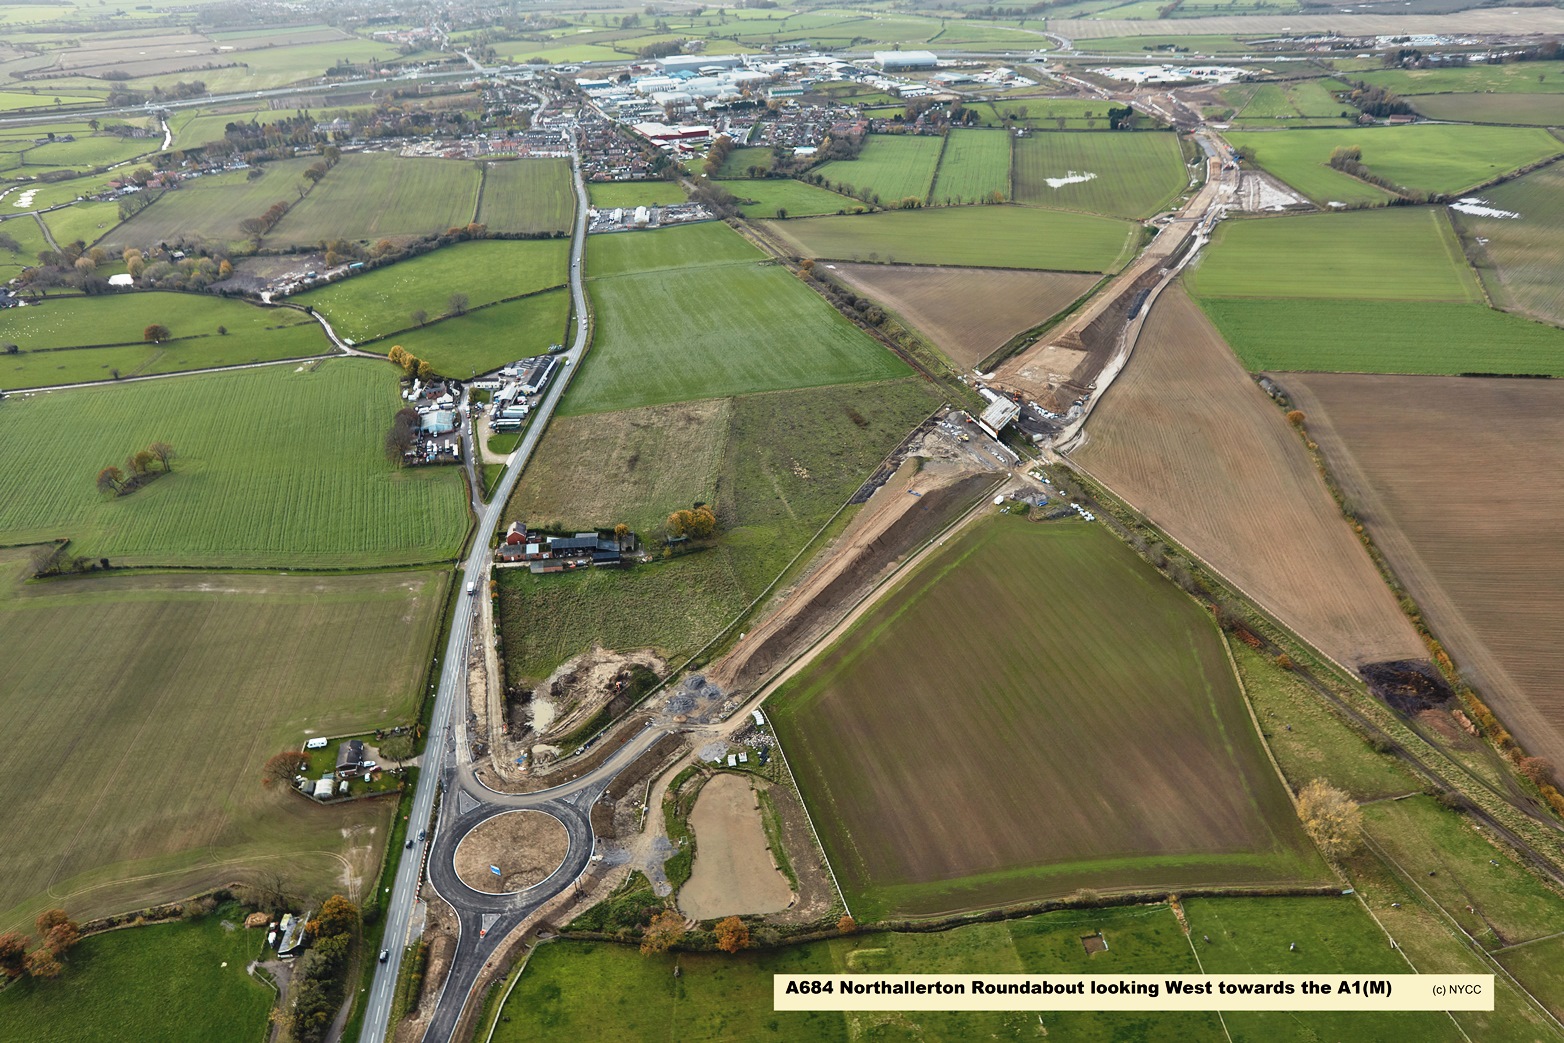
374 304
776 466
976 165
1507 78
1535 110
29 240
213 673
606 195
976 236
1522 262
178 983
278 466
890 168
487 339
1088 654
528 195
1402 253
1043 113
747 162
212 207
777 197
1385 337
1426 157
89 151
1332 935
71 322
670 335
679 247
11 101
370 195
721 997
32 369
86 222
1133 174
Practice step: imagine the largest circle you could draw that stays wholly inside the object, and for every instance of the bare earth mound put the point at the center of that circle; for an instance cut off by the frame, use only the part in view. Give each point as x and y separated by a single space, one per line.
1186 437
526 846
1458 481
733 871
967 312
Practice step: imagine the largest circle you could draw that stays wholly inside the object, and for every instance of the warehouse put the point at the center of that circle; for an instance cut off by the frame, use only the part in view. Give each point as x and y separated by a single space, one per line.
901 60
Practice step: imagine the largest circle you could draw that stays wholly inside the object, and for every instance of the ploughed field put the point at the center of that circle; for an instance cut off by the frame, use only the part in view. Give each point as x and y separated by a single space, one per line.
1187 438
160 697
1033 711
967 312
1457 480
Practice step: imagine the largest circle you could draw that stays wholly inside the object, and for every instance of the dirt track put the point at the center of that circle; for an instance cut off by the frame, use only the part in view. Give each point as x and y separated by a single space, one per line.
1189 439
1457 479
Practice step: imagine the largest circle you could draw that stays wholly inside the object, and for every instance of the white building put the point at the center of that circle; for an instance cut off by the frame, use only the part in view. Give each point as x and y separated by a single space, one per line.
888 60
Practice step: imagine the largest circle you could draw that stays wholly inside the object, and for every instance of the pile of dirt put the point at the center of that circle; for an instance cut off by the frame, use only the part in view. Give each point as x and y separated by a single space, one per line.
582 687
1409 686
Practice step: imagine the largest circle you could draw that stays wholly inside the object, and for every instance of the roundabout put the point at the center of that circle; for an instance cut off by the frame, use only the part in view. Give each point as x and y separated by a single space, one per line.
526 847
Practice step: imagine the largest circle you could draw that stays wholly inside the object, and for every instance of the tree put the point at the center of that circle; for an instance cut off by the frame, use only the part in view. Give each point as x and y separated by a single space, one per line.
665 930
282 767
41 963
698 523
62 938
456 303
420 317
399 748
1331 817
403 434
49 919
1295 418
156 333
140 462
732 935
337 916
1538 770
164 452
846 925
110 480
13 954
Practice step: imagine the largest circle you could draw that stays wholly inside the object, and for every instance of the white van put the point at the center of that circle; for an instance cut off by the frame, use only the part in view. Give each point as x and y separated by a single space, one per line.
472 587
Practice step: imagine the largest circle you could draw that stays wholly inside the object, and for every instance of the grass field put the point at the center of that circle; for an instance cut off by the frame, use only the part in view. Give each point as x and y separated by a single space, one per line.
1509 78
977 236
775 465
891 167
672 335
1188 438
1254 935
967 312
1133 174
32 369
1537 110
1403 253
88 151
30 243
528 195
746 162
1429 157
277 466
85 222
1043 113
606 195
487 339
720 997
71 322
1385 337
1087 648
1483 566
380 302
681 247
370 195
181 982
775 197
976 164
1522 262
211 208
149 657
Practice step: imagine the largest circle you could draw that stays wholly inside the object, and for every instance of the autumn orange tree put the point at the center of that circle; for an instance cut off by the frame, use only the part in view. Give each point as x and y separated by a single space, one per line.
665 930
1331 817
697 523
732 934
282 767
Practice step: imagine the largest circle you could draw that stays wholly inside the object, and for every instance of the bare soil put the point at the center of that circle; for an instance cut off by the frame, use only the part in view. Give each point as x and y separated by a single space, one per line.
1457 479
967 312
527 846
1188 438
734 872
582 686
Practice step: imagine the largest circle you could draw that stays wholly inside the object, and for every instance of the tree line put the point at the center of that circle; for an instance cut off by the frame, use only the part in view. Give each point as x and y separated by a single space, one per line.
138 469
43 956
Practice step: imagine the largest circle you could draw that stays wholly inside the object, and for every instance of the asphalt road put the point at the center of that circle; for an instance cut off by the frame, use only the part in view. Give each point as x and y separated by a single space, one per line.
439 752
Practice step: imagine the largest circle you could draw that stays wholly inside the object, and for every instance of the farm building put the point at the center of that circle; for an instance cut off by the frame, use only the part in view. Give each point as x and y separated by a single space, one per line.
323 788
350 757
889 60
437 422
292 941
517 533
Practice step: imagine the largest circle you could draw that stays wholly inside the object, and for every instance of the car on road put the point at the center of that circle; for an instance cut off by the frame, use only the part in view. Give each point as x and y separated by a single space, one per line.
385 954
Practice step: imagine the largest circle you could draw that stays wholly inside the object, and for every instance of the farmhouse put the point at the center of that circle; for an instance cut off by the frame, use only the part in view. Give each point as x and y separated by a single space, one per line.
350 758
558 553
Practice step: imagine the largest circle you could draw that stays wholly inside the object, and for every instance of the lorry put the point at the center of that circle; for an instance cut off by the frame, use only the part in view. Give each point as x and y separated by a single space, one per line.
472 587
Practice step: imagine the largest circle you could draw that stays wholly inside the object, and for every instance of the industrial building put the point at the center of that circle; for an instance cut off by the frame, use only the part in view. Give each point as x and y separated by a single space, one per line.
902 60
